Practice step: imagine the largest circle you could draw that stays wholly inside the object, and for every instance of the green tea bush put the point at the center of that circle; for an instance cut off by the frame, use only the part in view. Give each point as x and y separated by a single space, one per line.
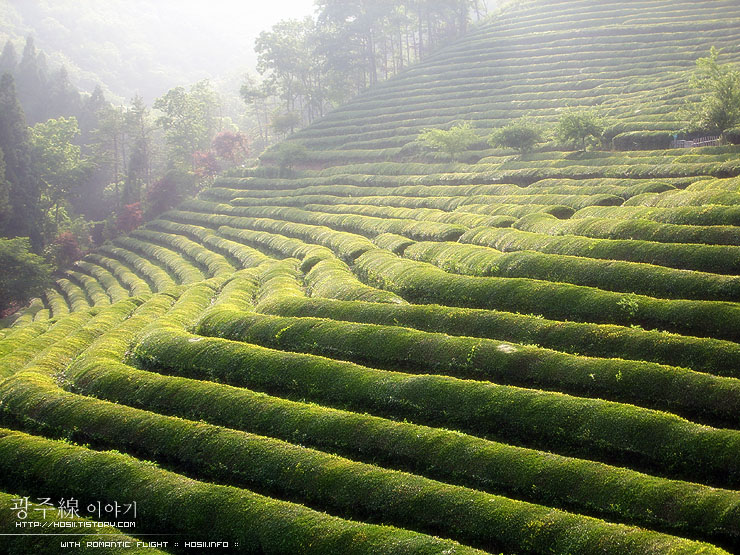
644 230
588 427
61 469
612 275
420 282
647 384
600 340
721 259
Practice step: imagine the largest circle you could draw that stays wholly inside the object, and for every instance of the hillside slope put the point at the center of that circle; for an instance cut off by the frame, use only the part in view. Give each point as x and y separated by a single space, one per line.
391 353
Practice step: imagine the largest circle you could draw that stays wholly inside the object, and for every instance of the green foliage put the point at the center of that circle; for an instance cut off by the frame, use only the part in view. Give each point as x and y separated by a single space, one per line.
287 154
453 142
719 108
423 283
189 119
57 159
22 273
580 126
522 135
681 391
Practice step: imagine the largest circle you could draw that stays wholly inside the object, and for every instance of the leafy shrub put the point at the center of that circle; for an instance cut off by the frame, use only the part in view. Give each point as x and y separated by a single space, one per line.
453 142
522 135
23 274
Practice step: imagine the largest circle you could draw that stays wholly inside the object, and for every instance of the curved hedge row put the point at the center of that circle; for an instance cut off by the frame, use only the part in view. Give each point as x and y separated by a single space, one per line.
427 214
518 210
111 284
353 223
263 524
685 198
322 480
76 297
435 452
41 315
156 276
588 427
627 277
721 259
22 354
25 316
421 282
292 248
280 280
332 279
56 302
92 288
731 185
169 260
645 230
348 246
392 242
212 263
15 337
647 384
685 215
136 285
600 340
241 255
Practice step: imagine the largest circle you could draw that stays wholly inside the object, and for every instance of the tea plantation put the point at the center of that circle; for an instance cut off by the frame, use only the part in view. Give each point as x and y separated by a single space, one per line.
382 351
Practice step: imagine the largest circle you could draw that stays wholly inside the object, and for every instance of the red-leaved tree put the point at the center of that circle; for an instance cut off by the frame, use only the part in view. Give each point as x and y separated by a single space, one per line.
230 146
162 195
130 217
65 249
205 164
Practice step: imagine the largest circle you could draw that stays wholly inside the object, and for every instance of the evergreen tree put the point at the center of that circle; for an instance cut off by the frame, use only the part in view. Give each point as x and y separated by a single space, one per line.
25 191
8 59
63 97
5 208
31 83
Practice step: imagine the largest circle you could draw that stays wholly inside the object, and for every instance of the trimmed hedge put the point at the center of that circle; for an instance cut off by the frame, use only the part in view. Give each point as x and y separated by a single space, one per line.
464 219
158 278
642 140
136 285
720 259
682 391
209 262
327 481
600 340
255 522
612 275
590 427
280 280
645 230
435 452
518 210
82 333
333 279
56 303
23 354
241 255
17 337
685 215
288 247
420 282
170 261
92 288
111 284
76 297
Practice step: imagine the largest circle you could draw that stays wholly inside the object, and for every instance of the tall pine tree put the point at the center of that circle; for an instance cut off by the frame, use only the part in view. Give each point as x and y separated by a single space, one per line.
26 217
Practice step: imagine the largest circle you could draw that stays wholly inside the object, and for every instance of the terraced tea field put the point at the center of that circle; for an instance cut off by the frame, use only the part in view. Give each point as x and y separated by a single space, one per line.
391 353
